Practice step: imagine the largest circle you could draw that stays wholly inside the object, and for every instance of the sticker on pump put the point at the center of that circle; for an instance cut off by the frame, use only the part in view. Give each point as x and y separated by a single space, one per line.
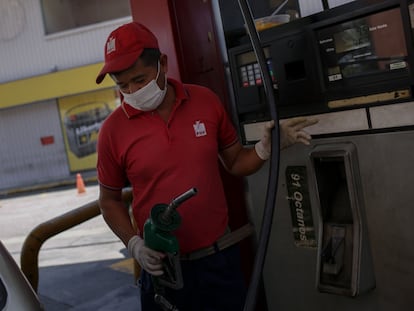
300 207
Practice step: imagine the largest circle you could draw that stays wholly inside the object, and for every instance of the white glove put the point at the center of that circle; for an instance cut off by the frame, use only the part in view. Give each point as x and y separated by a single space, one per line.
148 259
264 145
291 131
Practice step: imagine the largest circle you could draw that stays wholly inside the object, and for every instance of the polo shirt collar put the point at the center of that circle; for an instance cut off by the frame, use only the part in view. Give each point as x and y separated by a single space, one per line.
180 96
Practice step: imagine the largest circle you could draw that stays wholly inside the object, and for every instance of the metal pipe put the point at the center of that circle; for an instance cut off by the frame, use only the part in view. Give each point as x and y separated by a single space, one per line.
33 242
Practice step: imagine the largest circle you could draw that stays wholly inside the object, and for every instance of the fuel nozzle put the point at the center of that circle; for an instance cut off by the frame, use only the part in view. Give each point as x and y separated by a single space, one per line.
158 235
164 219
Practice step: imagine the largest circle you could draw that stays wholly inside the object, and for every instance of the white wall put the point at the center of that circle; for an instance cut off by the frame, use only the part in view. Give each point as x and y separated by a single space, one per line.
24 160
31 53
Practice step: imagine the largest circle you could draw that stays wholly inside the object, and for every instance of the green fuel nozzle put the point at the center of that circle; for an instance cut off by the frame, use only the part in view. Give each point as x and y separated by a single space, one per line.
163 220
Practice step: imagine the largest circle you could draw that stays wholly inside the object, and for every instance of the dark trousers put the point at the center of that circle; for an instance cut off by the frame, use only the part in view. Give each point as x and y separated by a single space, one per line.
212 283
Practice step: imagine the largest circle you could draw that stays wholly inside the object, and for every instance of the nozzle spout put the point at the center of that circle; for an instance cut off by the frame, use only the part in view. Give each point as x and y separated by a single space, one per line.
177 201
183 197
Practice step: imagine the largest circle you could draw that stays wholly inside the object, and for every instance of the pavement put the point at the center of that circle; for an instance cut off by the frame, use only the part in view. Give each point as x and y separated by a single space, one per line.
85 268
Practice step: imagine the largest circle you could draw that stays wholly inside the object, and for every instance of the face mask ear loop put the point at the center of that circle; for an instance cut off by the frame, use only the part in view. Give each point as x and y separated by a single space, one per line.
158 70
158 74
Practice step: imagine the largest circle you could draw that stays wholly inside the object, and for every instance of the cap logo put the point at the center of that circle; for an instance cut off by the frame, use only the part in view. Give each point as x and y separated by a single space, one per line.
110 45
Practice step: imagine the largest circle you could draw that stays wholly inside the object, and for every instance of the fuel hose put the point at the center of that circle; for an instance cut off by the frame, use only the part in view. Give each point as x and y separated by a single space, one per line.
267 218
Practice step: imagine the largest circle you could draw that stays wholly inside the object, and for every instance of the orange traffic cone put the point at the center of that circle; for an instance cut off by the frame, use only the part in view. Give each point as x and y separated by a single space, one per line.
80 185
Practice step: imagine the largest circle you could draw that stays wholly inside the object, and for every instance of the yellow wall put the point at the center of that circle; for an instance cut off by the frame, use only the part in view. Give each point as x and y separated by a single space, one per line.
94 106
54 85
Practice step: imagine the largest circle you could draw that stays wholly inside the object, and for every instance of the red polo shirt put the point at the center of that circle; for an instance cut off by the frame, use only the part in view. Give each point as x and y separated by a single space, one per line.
163 160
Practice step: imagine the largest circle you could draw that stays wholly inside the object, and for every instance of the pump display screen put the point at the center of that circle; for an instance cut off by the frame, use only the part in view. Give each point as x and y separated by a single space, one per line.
364 46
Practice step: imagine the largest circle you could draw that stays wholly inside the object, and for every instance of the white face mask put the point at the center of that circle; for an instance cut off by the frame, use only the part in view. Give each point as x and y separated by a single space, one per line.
148 97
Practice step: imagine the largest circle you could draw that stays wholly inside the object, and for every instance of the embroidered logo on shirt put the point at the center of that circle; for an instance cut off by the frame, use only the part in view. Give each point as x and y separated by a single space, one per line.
110 45
199 129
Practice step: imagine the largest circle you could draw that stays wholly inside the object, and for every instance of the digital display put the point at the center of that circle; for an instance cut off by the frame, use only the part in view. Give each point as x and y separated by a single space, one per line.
368 45
352 39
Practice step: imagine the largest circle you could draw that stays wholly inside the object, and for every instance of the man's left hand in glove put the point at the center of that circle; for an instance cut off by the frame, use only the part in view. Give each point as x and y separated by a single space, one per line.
291 132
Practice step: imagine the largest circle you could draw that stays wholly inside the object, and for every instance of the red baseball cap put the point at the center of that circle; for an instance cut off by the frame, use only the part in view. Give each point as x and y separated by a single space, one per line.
123 47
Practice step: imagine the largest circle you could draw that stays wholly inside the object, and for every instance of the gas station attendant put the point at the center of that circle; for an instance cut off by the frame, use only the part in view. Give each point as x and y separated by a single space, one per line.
165 138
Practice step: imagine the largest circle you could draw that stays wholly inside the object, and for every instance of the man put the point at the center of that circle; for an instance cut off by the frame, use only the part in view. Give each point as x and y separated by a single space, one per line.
164 139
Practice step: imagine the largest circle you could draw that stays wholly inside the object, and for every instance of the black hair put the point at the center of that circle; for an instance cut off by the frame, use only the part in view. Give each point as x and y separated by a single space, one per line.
150 57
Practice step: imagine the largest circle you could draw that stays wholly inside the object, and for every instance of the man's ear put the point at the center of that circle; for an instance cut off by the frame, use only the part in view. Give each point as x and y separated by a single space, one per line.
164 62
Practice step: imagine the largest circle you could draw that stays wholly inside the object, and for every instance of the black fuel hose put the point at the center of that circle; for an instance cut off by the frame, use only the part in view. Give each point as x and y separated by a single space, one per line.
272 185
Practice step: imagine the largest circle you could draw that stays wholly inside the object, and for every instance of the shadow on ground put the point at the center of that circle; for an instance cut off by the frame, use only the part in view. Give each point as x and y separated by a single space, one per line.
93 286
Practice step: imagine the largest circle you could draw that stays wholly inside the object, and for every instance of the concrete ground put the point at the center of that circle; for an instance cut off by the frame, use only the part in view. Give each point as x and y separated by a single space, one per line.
82 269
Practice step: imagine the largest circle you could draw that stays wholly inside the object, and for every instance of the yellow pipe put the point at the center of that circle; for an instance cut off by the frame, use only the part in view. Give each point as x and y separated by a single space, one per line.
32 244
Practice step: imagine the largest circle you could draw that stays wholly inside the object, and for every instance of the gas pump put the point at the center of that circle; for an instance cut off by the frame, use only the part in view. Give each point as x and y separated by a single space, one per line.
339 236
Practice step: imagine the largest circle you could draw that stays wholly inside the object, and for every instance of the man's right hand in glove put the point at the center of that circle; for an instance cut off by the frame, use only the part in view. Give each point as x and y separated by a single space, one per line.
148 259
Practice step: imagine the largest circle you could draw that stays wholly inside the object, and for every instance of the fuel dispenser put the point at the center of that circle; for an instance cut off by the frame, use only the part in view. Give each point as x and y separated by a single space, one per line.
339 59
341 235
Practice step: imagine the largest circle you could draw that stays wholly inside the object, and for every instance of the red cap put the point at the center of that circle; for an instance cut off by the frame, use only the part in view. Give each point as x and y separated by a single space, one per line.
124 46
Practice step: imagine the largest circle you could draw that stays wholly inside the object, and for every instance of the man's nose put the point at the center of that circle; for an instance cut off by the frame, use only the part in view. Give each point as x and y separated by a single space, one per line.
132 88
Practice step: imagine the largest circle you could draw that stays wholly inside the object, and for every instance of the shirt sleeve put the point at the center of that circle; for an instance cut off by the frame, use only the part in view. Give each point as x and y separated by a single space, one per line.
227 134
111 173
